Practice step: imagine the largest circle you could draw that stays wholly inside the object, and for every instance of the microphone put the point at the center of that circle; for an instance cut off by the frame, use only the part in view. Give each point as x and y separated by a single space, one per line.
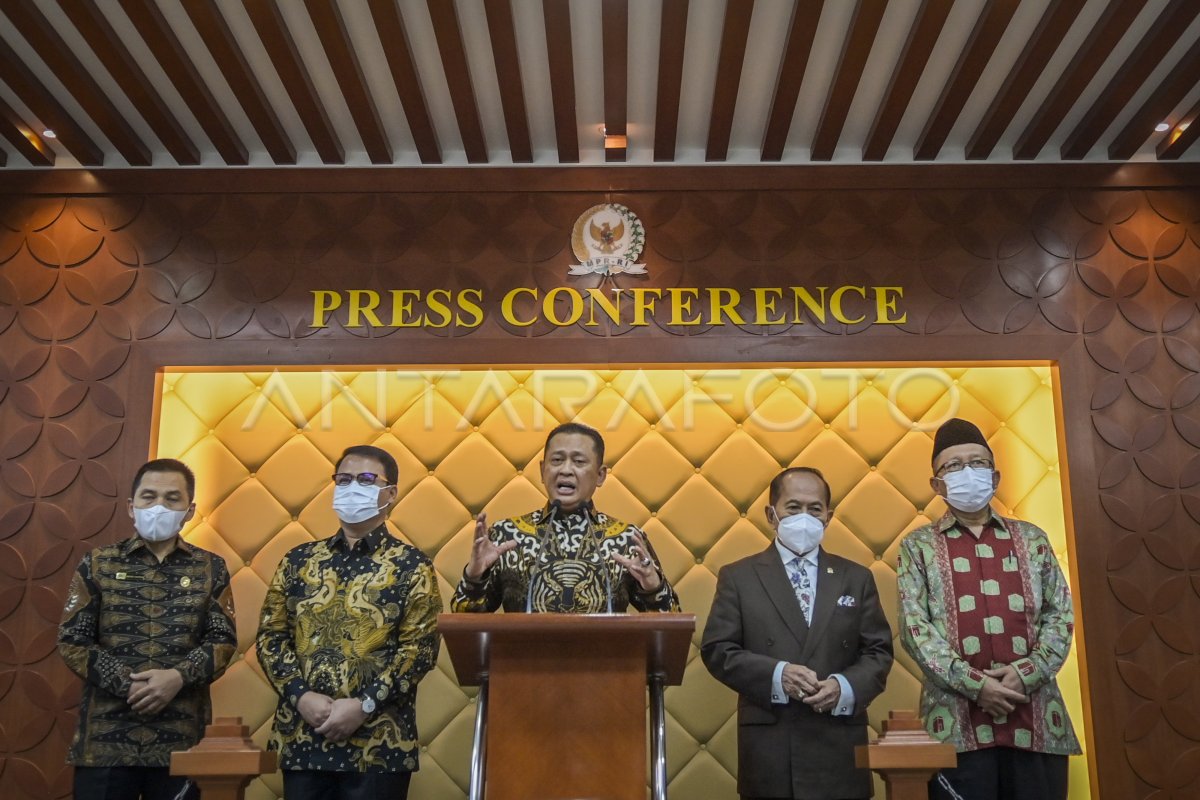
551 515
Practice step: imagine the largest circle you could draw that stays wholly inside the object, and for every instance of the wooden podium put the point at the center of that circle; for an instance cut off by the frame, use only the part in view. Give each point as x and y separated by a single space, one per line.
561 707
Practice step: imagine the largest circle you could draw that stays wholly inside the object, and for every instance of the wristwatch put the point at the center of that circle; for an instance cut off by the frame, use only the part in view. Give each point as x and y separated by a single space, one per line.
368 705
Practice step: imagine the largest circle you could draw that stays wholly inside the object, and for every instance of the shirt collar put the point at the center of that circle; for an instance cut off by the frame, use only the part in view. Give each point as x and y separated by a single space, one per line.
948 521
787 555
370 542
136 542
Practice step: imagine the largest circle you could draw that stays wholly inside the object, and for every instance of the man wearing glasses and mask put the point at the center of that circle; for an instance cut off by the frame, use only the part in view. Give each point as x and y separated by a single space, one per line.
565 557
348 629
986 613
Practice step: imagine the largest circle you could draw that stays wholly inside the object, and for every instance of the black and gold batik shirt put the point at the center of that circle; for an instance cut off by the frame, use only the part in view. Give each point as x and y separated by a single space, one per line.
127 612
350 622
562 565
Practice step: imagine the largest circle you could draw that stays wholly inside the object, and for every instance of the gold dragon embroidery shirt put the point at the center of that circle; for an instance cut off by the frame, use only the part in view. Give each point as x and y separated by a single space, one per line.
352 622
563 565
127 612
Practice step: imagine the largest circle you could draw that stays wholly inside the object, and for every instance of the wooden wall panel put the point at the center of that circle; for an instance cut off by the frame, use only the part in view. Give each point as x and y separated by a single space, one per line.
97 290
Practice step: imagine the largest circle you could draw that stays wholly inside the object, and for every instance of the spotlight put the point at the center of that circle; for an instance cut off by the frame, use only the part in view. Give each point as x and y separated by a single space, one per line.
49 134
1162 127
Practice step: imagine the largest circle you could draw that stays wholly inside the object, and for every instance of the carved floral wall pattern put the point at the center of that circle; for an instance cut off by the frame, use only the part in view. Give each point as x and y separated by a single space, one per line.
97 291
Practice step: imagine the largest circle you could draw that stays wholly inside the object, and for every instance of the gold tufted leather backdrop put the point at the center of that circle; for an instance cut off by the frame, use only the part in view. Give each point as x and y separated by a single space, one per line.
691 452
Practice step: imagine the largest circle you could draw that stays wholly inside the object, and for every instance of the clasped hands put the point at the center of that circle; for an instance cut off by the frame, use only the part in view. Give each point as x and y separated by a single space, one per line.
802 683
336 720
151 690
1002 691
485 553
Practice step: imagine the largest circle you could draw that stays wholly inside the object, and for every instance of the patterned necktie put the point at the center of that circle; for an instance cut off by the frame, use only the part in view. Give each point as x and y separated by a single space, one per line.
800 582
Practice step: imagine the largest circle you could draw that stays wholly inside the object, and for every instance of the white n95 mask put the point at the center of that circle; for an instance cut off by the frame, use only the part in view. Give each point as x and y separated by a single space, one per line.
800 533
157 523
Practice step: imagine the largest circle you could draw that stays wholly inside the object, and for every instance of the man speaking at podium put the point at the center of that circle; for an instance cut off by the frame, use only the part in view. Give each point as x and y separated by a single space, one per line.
566 557
800 635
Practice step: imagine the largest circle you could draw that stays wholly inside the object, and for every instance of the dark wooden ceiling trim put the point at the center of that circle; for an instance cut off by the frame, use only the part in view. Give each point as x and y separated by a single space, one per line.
923 35
986 34
108 47
1144 59
48 110
729 78
1176 142
177 64
801 32
600 179
224 49
614 27
394 38
503 34
1183 77
23 138
562 78
855 51
285 57
1050 30
61 60
335 41
1105 34
458 76
671 38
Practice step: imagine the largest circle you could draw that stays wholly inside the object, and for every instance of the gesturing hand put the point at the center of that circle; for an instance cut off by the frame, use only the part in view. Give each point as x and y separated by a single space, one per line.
485 552
640 565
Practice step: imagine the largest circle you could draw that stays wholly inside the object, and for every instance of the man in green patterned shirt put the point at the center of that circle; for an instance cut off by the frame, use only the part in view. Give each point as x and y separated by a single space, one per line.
348 629
986 613
148 625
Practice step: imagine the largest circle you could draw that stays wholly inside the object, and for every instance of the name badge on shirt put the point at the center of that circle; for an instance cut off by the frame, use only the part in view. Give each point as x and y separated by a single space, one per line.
121 576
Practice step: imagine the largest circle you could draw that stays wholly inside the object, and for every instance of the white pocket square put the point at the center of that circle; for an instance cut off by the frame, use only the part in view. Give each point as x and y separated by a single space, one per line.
847 601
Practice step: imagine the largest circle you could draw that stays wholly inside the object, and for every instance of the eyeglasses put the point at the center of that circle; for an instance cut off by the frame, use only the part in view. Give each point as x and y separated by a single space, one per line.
958 466
363 478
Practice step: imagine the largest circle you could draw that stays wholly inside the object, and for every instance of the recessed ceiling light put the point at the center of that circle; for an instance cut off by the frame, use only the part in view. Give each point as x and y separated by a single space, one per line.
49 134
1162 127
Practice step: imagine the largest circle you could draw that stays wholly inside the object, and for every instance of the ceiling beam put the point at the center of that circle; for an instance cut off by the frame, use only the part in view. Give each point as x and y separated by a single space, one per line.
23 138
614 28
562 78
922 37
78 80
801 32
228 56
47 109
1181 137
179 68
503 34
672 34
1158 107
988 30
855 50
394 38
1155 44
335 40
1044 40
285 57
458 76
116 58
1089 57
729 77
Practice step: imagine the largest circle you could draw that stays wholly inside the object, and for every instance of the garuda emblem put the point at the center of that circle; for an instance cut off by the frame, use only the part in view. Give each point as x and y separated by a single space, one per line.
607 239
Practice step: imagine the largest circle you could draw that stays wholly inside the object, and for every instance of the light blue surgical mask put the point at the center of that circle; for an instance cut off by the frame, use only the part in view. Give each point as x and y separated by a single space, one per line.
969 489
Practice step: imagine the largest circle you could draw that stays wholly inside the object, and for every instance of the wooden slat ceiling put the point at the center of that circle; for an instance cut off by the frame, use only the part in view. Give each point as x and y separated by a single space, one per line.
215 83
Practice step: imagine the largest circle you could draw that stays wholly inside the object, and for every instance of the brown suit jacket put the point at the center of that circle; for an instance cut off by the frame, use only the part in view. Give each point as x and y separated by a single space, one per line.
789 750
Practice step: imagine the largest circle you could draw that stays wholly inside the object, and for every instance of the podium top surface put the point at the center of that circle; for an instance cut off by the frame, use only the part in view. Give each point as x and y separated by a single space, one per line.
664 637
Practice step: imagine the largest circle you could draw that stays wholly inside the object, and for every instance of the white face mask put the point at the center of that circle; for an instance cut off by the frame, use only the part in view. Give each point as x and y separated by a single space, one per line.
969 489
356 503
158 523
800 533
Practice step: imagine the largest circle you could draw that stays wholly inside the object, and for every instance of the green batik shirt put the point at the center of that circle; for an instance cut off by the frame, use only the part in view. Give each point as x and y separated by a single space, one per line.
128 612
939 624
350 622
565 566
